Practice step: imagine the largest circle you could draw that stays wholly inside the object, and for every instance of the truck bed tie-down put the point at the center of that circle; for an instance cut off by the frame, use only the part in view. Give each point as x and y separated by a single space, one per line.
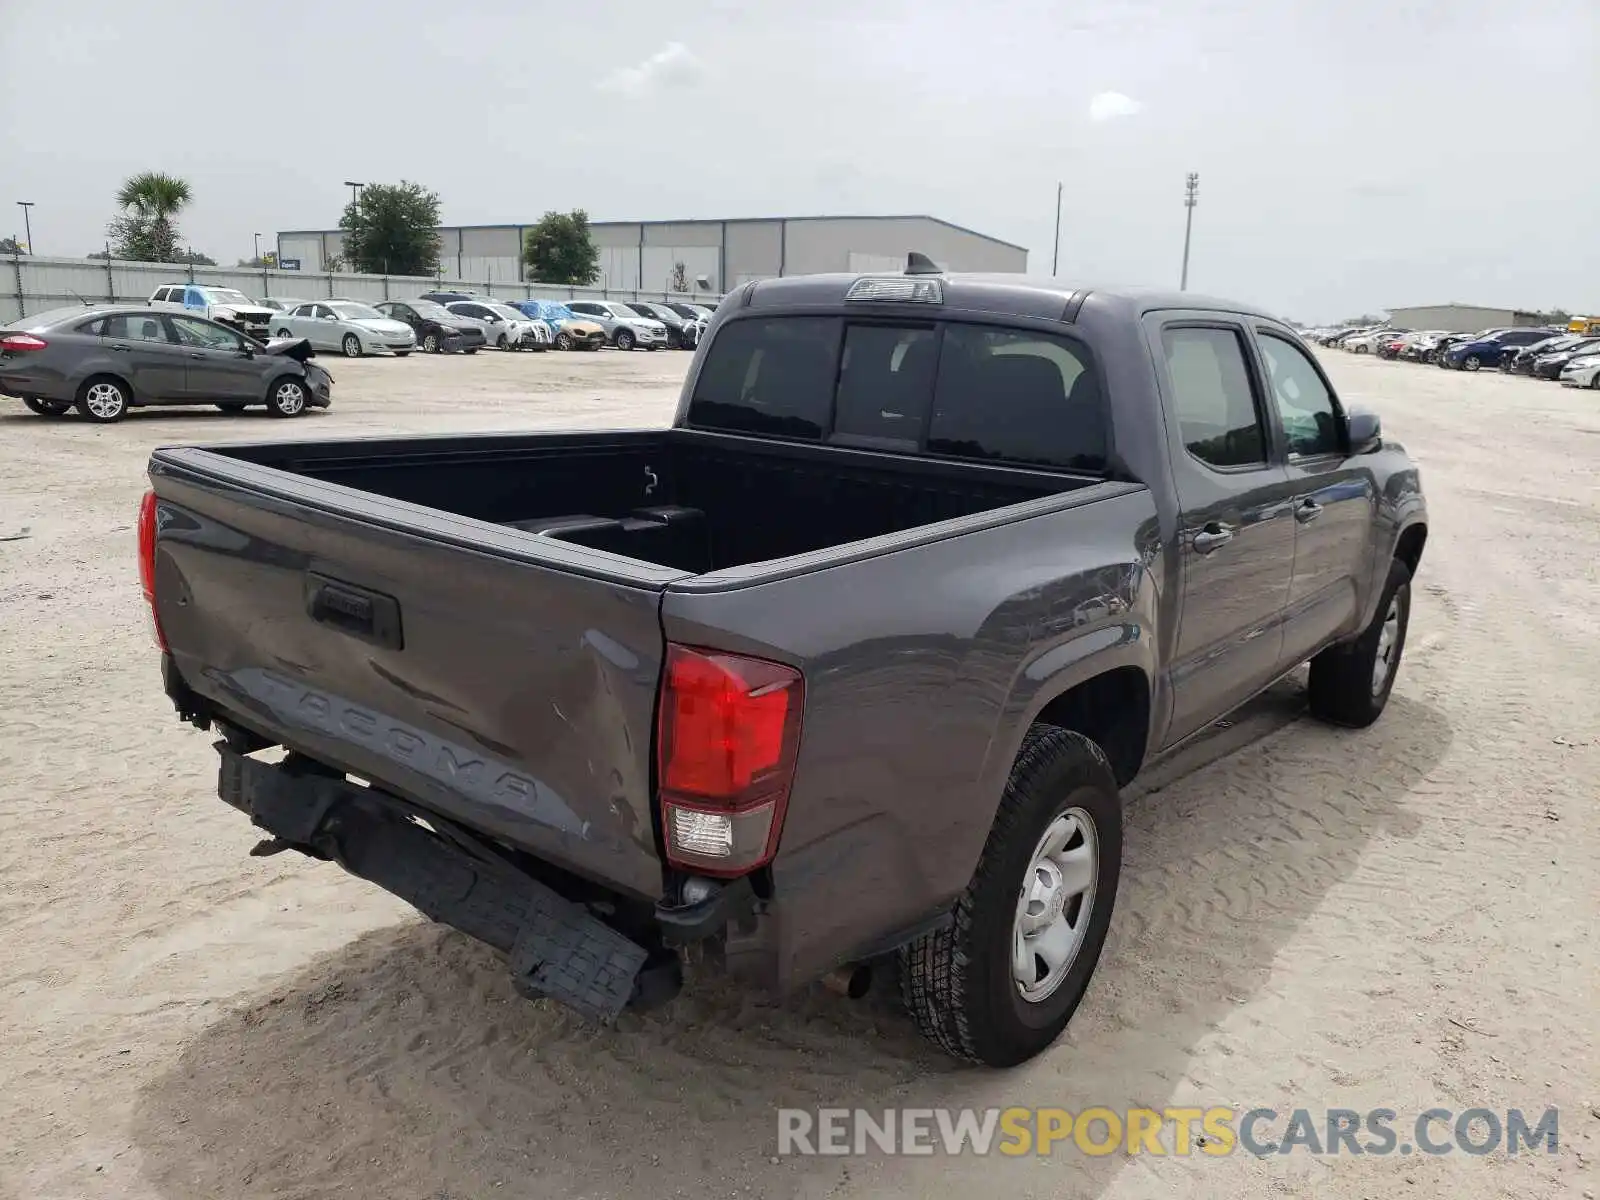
557 948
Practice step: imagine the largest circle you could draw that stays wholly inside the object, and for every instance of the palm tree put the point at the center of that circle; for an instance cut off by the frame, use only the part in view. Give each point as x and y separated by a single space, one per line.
150 201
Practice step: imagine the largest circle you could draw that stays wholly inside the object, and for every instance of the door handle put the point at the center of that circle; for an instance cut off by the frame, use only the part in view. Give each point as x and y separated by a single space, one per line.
123 349
1212 537
1308 510
195 354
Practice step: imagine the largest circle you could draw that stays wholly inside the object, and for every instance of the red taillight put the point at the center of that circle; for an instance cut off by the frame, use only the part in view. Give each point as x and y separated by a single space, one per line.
22 341
726 748
147 561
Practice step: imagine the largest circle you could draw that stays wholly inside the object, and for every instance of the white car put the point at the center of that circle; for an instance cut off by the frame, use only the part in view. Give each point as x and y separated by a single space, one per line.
223 305
1583 371
502 325
1366 343
624 328
348 326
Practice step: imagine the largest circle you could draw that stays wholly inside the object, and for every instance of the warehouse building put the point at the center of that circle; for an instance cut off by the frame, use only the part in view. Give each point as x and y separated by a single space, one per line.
1460 318
644 255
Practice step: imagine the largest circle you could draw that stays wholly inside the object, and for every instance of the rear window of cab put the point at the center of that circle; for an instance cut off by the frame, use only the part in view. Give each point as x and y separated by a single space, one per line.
944 388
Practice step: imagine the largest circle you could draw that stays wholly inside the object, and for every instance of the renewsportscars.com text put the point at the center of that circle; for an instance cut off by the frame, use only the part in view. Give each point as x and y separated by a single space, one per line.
1164 1131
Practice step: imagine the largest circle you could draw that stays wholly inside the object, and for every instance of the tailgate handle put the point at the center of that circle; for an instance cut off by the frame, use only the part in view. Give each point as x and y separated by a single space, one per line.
368 615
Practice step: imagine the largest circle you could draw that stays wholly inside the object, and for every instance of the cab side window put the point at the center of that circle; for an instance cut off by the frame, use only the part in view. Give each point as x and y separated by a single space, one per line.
1211 392
1305 405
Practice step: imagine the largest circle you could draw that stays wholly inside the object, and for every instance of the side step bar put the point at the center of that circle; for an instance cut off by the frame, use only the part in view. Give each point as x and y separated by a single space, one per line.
557 948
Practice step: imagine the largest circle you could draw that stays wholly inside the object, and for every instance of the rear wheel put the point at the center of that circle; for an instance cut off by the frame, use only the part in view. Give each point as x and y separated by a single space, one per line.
47 408
1350 684
103 399
287 397
624 339
1000 984
351 346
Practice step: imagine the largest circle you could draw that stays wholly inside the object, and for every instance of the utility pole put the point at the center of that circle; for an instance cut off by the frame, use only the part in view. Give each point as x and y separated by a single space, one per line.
1191 189
1055 257
355 190
27 226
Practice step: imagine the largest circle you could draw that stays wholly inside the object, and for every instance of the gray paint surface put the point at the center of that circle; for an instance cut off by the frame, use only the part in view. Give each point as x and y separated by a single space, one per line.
927 653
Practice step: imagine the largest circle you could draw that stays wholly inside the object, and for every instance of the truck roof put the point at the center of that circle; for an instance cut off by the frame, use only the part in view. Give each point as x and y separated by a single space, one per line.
1013 295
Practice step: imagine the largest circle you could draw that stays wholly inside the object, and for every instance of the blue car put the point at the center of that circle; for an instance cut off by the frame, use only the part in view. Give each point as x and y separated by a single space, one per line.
1487 349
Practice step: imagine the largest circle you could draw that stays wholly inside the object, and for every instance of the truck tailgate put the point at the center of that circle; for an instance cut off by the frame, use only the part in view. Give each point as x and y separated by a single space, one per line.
500 680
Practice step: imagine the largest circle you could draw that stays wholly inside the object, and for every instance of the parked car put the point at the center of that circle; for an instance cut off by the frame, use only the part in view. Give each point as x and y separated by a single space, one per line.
280 304
1520 362
691 312
1550 365
624 328
438 330
1367 343
1486 351
1389 347
223 305
1436 355
571 332
1420 345
612 694
681 334
348 326
1582 370
105 359
504 327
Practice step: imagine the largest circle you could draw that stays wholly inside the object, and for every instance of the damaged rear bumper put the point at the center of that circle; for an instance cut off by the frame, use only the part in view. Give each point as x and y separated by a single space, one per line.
557 948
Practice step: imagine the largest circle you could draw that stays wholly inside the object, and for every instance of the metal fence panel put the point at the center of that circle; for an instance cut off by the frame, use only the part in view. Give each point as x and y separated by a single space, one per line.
30 285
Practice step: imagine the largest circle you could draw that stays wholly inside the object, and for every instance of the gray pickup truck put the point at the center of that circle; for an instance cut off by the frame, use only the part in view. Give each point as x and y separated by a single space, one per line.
849 662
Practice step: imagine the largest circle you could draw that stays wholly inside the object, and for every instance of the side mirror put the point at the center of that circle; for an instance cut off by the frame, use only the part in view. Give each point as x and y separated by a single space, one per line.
1364 430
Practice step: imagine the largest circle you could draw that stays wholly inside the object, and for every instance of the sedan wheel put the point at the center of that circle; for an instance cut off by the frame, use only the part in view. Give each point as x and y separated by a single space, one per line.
352 346
287 398
47 408
1472 362
563 341
430 343
284 333
103 400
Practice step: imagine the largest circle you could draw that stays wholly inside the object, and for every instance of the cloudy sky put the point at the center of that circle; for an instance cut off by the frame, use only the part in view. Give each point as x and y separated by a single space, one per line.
1352 154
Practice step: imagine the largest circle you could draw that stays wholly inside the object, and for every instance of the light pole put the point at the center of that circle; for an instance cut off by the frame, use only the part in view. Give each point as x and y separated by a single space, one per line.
258 249
1055 258
355 189
1191 189
27 225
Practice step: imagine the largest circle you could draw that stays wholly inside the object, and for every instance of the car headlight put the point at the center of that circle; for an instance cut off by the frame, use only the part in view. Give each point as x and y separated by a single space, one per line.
1585 363
225 314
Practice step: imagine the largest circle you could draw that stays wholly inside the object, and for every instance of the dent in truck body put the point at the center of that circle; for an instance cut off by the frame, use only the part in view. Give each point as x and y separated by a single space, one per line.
419 723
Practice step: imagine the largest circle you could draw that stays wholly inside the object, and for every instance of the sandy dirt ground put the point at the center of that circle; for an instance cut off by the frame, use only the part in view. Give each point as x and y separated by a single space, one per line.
1403 917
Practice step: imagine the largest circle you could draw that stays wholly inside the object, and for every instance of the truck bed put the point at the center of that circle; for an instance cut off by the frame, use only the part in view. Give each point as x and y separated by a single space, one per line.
695 502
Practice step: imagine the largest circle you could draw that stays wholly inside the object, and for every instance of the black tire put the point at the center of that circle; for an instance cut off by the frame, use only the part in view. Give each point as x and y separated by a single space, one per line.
1471 363
232 406
504 343
430 343
284 333
563 341
104 399
47 408
288 396
470 350
351 345
1344 689
624 339
401 353
958 982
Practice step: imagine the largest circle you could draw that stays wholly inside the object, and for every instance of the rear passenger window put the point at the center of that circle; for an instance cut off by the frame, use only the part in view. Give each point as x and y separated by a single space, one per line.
772 376
885 383
1019 396
1215 404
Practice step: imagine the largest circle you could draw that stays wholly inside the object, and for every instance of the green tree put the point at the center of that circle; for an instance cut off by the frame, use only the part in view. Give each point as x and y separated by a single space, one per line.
146 230
10 245
392 229
559 249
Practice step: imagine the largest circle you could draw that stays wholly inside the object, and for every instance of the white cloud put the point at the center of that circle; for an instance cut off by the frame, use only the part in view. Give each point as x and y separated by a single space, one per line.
672 66
1107 106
